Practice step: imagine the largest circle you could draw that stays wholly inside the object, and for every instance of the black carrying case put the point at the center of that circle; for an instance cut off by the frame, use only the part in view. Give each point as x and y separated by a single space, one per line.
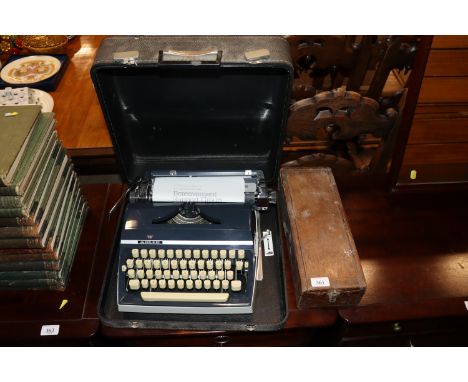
197 103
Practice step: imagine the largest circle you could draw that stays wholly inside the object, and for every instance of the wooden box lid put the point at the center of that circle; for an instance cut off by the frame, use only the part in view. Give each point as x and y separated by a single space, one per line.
326 266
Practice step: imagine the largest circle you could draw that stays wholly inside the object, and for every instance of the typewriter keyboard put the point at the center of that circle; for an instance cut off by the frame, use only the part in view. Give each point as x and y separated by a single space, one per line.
190 275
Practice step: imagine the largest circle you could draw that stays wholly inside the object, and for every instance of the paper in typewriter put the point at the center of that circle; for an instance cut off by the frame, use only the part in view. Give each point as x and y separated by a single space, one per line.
215 189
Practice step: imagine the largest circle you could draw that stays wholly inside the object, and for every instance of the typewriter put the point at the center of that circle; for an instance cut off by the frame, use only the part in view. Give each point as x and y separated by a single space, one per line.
191 243
197 124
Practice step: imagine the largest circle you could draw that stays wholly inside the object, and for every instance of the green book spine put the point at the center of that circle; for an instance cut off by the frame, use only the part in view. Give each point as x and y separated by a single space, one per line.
23 242
34 265
50 284
16 221
13 213
21 231
13 255
11 202
16 124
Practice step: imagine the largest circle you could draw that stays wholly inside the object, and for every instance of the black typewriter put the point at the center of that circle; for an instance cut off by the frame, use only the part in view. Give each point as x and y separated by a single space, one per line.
210 110
191 243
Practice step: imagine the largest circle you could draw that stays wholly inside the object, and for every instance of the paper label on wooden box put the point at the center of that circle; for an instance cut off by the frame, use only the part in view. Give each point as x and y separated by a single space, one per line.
318 282
50 330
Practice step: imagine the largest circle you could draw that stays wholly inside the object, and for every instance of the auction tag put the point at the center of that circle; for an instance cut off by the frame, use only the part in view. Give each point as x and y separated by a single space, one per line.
318 282
466 305
50 330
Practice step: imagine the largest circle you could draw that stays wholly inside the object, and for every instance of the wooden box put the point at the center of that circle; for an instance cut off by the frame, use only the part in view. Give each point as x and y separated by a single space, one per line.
325 263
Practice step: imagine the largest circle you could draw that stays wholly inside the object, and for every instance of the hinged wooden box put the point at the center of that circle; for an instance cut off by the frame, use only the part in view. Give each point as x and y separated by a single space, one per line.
325 263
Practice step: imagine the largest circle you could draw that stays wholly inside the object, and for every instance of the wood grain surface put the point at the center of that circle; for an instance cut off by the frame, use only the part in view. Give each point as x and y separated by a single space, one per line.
80 122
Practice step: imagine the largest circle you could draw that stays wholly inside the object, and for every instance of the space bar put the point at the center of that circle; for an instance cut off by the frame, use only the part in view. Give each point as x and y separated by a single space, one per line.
184 297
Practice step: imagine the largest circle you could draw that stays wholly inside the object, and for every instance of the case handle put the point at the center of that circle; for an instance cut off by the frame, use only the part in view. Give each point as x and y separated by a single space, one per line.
194 57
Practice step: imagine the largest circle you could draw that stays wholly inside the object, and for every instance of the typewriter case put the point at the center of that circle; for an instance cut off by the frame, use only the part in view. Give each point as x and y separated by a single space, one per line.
197 104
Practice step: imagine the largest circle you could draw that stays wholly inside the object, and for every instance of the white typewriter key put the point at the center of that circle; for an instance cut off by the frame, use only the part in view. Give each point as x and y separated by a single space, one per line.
144 283
189 284
192 264
236 285
135 253
157 264
152 253
239 265
202 275
170 253
139 263
193 275
158 274
144 253
134 284
211 275
209 264
222 254
201 264
241 254
185 274
124 268
205 254
232 253
230 275
207 284
227 264
131 273
219 264
162 284
214 254
148 264
187 253
149 274
167 274
153 283
165 264
161 253
198 284
175 274
171 284
183 264
216 284
130 263
140 274
178 253
180 284
174 264
196 253
246 265
220 275
225 284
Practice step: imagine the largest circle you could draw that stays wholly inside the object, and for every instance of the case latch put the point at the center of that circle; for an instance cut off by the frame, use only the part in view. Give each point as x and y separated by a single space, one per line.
127 58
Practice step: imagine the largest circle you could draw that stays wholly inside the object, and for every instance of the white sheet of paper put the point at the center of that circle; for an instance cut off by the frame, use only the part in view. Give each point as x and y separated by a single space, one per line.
219 189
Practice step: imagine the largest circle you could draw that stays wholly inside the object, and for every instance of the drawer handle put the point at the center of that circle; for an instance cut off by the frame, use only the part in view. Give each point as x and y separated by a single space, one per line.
222 340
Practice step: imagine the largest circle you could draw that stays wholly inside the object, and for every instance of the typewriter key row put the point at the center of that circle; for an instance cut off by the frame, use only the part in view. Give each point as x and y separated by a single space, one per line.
238 265
188 254
171 284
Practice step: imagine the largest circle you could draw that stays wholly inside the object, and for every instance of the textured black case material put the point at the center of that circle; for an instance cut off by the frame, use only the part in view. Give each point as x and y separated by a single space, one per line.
211 108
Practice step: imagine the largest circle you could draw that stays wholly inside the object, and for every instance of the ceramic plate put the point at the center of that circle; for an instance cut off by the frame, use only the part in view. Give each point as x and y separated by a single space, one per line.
42 98
31 69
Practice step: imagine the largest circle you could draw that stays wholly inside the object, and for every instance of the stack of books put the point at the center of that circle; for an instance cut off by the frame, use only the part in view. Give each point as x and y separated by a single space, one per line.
42 209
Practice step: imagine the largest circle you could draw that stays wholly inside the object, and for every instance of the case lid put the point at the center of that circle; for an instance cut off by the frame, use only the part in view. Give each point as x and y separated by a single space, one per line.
195 103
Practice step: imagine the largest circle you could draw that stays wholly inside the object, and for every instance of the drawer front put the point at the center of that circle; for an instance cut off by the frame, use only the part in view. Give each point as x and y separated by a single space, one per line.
433 173
444 89
439 129
449 153
441 42
446 63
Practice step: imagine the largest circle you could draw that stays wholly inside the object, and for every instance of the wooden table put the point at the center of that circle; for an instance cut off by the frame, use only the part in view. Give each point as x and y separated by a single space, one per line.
23 313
